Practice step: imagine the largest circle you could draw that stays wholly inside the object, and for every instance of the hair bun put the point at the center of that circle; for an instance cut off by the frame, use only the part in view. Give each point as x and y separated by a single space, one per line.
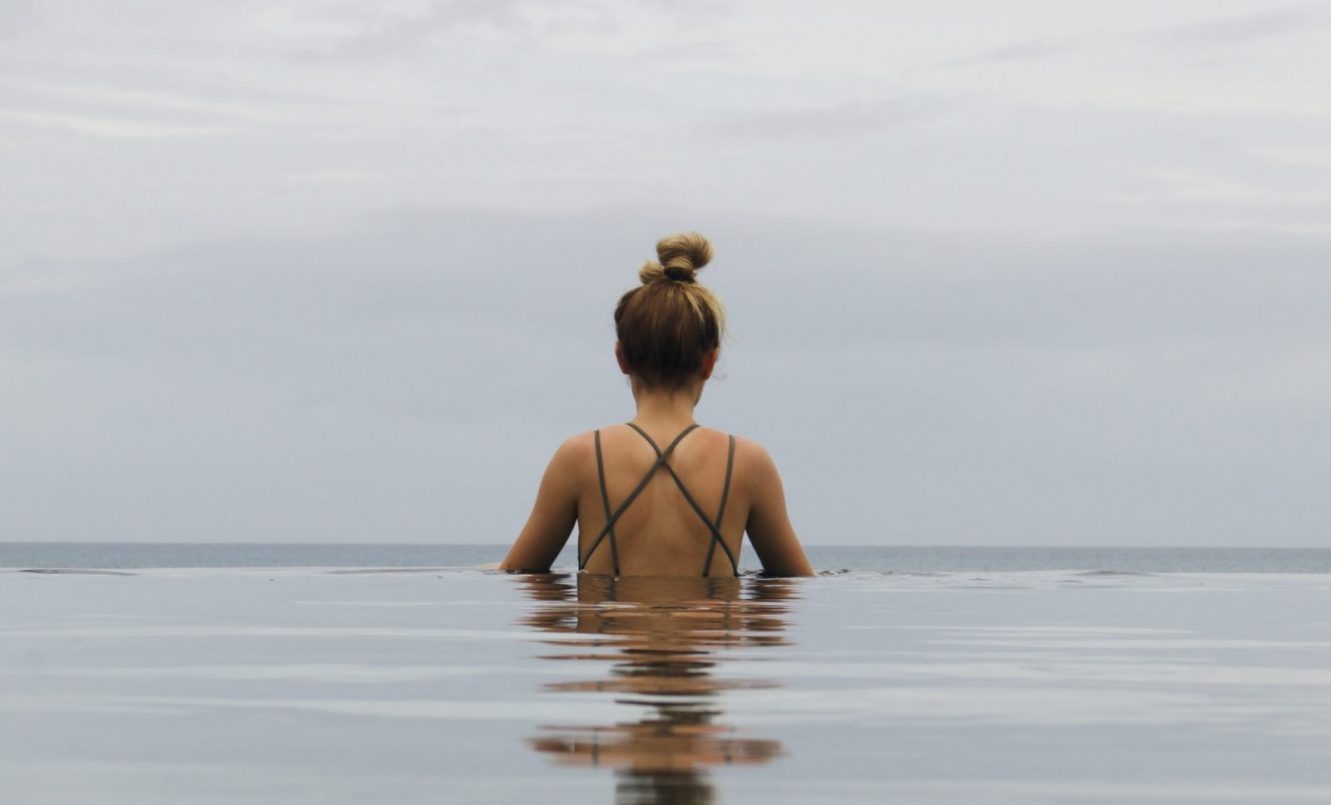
680 256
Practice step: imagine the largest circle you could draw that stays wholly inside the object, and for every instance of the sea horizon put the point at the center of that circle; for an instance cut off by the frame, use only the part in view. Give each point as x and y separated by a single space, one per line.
826 558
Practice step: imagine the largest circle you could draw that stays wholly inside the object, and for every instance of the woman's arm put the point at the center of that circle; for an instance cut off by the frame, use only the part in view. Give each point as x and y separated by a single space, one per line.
552 517
770 532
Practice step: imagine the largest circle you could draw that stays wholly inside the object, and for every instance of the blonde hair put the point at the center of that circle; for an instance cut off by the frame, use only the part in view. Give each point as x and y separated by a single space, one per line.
668 324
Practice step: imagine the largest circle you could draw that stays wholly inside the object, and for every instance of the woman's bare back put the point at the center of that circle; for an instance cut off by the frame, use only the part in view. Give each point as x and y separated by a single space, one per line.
660 533
680 513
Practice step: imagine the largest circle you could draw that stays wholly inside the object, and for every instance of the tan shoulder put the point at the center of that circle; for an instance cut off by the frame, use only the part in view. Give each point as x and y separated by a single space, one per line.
750 449
751 458
576 450
754 464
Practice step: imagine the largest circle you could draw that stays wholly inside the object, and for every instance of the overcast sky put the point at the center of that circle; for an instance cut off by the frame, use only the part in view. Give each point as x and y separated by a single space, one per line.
998 273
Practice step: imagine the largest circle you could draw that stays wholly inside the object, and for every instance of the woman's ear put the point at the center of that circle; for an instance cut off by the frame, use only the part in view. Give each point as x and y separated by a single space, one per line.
709 362
619 358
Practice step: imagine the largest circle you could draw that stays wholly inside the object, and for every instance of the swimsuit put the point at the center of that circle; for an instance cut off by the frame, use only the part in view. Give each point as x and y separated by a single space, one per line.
662 460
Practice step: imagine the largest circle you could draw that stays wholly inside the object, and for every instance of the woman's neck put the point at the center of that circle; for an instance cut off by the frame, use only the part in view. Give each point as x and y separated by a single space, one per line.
666 407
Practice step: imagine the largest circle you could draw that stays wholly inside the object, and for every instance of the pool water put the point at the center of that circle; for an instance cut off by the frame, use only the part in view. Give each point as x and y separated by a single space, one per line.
319 685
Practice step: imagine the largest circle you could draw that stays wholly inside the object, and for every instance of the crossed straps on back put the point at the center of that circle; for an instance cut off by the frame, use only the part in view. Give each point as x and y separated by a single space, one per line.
662 460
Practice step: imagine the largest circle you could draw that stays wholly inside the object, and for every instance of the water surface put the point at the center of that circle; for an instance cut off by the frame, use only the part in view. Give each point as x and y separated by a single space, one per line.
884 558
308 685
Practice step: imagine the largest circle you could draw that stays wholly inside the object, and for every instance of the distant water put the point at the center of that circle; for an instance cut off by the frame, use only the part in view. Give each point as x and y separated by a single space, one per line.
339 686
879 559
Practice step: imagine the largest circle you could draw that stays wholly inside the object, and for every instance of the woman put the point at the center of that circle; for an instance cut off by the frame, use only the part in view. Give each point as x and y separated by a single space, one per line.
661 496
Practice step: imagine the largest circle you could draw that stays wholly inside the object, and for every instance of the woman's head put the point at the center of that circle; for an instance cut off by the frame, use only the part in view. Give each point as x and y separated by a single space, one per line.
670 326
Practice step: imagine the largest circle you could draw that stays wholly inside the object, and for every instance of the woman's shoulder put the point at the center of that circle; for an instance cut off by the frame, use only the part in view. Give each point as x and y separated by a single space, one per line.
581 447
743 444
754 467
750 454
575 451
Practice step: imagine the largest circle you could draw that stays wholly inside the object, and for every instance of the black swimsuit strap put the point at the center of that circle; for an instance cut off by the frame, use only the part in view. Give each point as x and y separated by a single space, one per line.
646 479
715 527
605 499
720 513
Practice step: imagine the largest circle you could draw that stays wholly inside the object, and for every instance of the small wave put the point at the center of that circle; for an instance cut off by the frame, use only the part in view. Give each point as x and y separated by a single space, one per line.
361 571
71 571
1114 573
854 571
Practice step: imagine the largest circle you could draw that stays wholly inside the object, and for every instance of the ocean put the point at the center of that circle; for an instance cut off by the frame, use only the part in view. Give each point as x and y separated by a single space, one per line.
881 559
154 674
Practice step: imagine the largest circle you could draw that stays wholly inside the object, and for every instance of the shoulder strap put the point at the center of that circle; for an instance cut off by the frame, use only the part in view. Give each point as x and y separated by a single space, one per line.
661 458
720 513
605 500
715 527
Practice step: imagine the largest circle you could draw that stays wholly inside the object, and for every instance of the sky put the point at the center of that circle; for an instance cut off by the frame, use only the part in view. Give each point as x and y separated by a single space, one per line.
1029 273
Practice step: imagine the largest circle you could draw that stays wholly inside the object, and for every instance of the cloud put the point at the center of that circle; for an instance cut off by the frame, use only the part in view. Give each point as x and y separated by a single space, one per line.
1246 28
67 96
403 28
109 127
393 29
1309 156
1020 51
840 120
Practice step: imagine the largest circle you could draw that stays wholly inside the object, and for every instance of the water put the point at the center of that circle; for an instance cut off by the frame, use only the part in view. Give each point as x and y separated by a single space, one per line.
395 673
898 559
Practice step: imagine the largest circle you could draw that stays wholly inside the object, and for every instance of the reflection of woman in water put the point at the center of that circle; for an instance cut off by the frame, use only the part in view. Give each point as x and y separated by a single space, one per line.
663 636
661 496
